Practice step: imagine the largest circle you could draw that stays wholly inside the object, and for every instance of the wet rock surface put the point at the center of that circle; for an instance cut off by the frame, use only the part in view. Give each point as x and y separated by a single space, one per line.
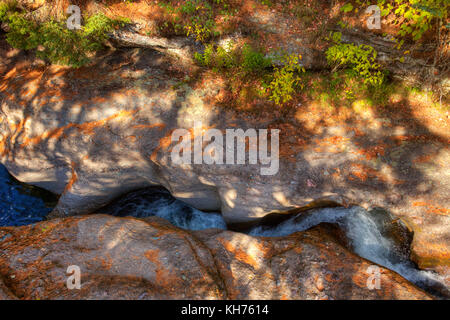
128 258
22 204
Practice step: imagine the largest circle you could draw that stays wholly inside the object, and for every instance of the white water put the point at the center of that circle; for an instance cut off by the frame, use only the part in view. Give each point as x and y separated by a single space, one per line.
366 237
366 231
158 202
182 216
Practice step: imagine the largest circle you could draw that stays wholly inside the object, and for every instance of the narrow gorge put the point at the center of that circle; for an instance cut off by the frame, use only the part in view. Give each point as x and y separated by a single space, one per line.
88 178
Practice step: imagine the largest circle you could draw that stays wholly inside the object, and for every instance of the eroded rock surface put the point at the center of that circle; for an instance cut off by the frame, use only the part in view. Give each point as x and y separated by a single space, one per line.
97 132
127 258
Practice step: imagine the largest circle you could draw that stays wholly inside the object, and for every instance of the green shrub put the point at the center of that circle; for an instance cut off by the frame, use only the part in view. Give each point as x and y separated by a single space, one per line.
360 58
244 60
63 46
216 58
55 42
285 80
414 16
6 7
195 17
23 33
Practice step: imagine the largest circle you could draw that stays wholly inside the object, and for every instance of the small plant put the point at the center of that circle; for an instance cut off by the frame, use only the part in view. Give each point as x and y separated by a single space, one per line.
23 33
7 7
414 16
343 88
54 41
244 60
216 58
195 18
360 58
253 60
285 79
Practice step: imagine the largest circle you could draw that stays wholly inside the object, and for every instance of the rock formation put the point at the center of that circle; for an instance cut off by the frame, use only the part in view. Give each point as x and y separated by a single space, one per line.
127 258
94 133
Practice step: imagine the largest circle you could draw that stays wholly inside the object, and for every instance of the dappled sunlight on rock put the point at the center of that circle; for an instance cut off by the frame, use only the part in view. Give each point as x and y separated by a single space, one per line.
280 197
100 131
229 197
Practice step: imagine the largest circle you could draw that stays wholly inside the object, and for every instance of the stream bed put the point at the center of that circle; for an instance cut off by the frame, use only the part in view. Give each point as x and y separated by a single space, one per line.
373 234
22 204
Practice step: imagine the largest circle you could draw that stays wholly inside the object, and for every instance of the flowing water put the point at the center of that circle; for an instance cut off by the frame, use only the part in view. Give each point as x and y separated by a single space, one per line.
21 204
156 201
374 235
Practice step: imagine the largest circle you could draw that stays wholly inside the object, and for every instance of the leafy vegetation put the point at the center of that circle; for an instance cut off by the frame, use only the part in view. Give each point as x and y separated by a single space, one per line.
244 60
276 79
280 83
414 17
417 15
342 88
286 80
5 8
416 23
360 58
53 41
195 17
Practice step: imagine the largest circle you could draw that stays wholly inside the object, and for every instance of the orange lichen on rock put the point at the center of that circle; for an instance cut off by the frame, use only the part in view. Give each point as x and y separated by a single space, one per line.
332 144
363 172
3 148
160 126
423 158
433 209
73 178
359 171
331 141
10 139
52 134
372 152
85 128
162 275
89 127
164 143
240 254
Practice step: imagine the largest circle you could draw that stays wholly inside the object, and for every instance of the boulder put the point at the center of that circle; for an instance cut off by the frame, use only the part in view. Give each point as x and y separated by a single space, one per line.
128 258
